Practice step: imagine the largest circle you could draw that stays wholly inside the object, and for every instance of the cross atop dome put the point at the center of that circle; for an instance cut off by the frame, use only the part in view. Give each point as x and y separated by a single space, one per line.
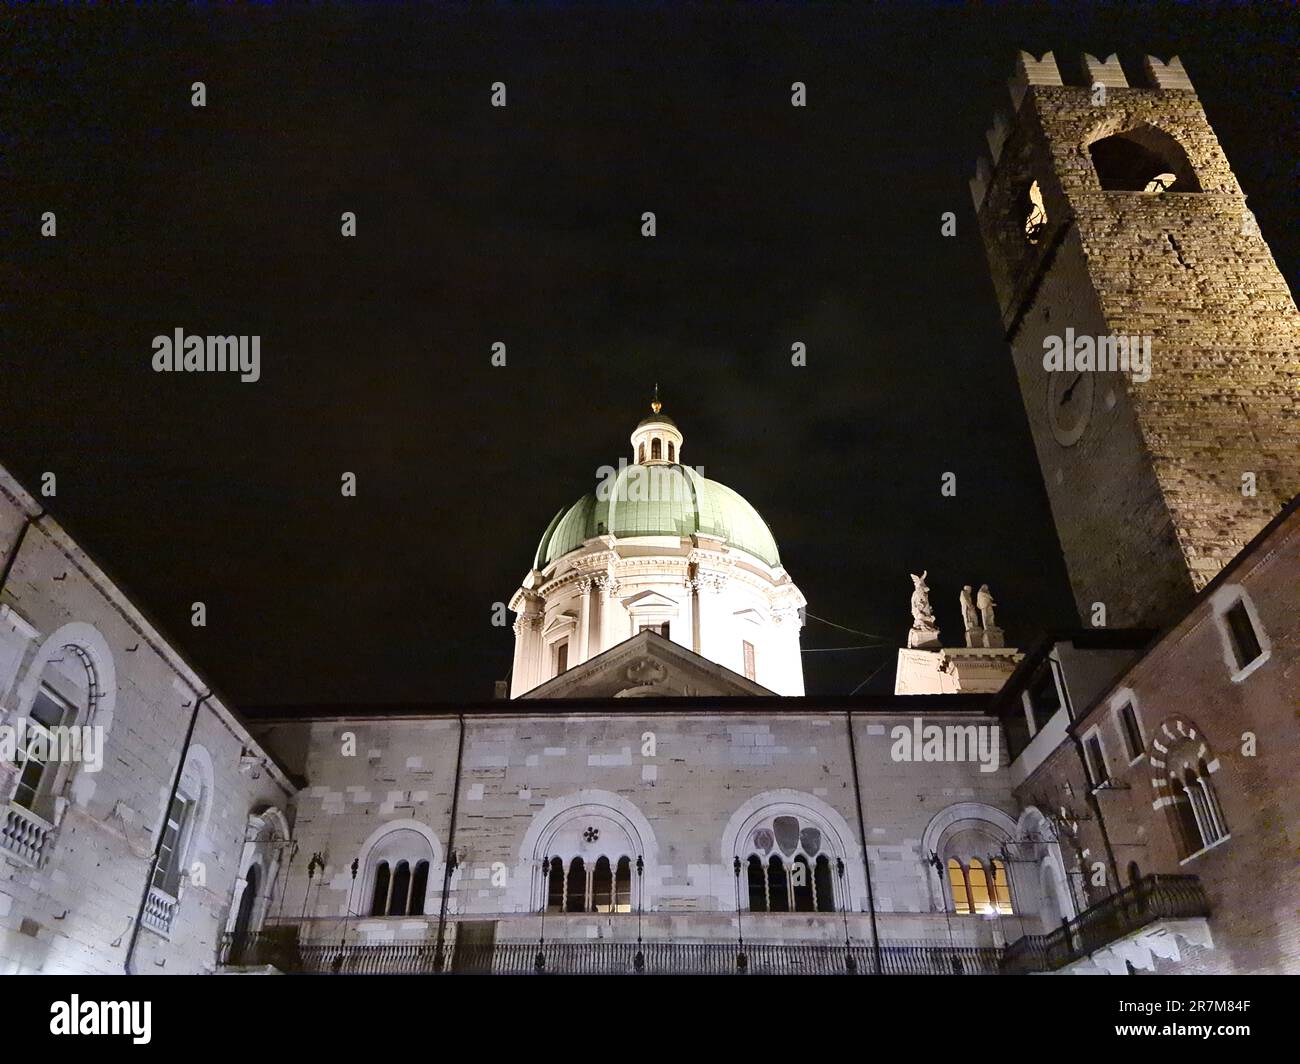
656 440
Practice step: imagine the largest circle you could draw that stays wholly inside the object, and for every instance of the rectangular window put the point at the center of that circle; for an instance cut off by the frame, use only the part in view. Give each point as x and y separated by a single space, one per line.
1044 698
1245 642
1129 726
561 657
661 629
750 674
1096 762
167 873
48 711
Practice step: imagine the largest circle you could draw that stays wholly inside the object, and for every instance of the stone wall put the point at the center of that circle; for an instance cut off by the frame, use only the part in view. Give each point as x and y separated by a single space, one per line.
1149 503
683 790
74 909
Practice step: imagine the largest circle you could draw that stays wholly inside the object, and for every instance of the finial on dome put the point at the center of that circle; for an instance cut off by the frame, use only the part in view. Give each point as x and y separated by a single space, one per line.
655 404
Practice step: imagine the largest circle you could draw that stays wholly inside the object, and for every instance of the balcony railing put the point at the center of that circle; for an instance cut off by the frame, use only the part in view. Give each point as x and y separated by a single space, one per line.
279 947
159 908
1150 899
25 835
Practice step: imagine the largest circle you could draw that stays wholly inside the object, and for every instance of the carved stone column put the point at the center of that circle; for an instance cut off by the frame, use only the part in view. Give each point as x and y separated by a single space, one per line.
607 587
526 673
584 621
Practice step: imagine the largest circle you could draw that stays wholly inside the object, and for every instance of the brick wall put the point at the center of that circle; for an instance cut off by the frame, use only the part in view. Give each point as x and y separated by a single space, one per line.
1251 877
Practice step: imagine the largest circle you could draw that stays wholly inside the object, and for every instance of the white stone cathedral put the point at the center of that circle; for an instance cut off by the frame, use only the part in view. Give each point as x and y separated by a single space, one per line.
657 547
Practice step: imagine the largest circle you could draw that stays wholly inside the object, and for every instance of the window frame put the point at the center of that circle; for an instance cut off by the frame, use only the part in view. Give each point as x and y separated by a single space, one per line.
1225 601
1126 699
46 780
169 874
1096 781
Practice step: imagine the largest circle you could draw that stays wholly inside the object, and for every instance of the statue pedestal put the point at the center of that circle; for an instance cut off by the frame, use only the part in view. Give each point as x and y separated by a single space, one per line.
975 637
993 637
923 637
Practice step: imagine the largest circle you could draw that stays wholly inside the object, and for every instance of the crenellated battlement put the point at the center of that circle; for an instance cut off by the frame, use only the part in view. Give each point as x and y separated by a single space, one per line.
1162 76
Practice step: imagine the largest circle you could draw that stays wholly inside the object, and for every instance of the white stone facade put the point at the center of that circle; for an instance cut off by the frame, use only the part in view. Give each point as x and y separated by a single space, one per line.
75 855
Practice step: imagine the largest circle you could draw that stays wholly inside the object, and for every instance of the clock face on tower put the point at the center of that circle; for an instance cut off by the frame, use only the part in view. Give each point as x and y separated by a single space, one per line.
1069 405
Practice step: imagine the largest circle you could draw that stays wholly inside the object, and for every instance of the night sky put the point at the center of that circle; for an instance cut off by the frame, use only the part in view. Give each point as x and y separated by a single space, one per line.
522 224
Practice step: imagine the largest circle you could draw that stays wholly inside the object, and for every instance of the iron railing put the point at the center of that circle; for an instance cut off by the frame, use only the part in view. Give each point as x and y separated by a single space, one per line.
1150 899
279 947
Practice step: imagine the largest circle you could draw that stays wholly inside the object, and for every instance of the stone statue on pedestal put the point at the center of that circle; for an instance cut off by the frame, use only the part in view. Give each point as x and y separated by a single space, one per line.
971 619
925 632
992 633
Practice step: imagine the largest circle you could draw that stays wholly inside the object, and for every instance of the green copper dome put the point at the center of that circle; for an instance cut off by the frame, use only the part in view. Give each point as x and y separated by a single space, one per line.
679 502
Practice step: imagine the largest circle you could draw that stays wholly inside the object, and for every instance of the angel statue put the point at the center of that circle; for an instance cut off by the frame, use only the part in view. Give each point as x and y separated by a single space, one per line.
922 615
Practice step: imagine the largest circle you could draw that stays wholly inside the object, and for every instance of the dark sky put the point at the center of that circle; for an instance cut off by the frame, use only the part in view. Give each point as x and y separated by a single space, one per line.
478 224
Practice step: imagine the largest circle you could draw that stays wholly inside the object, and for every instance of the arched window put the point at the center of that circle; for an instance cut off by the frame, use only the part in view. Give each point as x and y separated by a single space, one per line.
599 844
957 881
1195 816
640 453
788 867
602 886
555 887
778 885
398 866
757 885
400 894
823 885
979 887
656 449
623 886
50 751
1142 159
802 881
575 899
419 888
672 451
379 899
1001 889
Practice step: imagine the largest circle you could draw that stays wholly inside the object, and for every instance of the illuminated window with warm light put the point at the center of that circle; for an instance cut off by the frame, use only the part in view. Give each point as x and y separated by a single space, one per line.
972 891
957 881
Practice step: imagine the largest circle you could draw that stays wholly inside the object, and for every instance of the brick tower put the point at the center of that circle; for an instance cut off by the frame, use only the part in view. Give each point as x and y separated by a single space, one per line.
1110 210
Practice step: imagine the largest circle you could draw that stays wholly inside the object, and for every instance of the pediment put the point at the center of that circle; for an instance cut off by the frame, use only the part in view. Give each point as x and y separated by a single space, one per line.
647 665
650 600
561 623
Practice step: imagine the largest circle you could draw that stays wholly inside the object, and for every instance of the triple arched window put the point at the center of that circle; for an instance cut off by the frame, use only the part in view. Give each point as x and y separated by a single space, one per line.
979 888
585 885
788 868
1197 816
399 888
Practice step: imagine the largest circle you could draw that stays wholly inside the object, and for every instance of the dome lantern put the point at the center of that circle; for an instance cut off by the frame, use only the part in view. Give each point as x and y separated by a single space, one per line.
657 439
